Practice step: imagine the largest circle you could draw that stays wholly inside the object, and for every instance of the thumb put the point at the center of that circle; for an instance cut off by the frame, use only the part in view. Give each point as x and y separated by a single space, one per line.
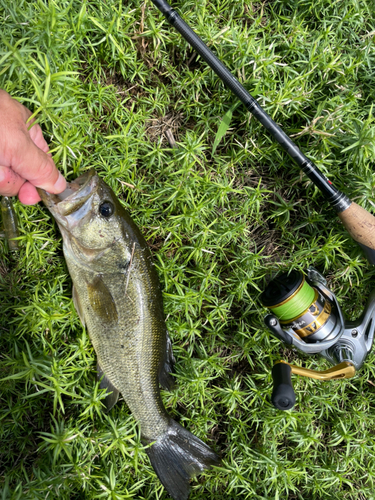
34 165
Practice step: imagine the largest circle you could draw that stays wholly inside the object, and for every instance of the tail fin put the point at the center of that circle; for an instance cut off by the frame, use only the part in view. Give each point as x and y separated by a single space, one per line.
177 456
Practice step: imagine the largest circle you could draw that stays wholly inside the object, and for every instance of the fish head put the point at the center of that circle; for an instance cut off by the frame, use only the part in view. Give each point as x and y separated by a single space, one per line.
90 219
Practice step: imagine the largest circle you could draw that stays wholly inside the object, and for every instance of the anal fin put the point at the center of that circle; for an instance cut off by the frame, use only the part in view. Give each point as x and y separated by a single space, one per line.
165 376
112 393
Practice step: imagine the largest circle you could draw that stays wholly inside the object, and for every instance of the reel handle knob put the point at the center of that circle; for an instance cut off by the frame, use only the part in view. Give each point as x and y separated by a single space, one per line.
283 396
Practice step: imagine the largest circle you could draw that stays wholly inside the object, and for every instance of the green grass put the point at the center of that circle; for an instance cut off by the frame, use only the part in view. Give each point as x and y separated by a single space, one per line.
105 79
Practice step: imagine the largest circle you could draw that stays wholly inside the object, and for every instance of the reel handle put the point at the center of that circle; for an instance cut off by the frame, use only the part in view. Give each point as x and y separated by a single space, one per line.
283 396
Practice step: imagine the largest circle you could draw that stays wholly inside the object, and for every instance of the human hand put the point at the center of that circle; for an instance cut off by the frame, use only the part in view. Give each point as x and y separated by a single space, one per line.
24 159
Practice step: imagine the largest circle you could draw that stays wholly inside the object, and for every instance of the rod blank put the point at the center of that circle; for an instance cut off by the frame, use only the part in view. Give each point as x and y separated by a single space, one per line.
362 231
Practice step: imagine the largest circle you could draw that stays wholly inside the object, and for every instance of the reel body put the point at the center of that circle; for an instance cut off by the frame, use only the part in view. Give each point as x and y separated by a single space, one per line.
308 316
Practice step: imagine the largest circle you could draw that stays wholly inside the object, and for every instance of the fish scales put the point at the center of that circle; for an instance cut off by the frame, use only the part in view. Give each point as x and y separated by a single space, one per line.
135 340
117 295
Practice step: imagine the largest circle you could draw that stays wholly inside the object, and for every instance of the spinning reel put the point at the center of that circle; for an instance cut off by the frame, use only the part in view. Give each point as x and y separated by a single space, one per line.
306 314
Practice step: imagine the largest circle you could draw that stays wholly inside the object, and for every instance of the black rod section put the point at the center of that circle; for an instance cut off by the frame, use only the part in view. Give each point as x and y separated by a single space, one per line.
338 200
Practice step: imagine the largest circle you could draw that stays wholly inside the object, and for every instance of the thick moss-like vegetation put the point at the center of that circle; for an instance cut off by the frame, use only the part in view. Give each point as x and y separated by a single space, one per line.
106 80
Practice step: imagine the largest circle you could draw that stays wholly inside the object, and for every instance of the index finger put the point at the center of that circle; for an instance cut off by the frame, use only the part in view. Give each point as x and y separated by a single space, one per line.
34 165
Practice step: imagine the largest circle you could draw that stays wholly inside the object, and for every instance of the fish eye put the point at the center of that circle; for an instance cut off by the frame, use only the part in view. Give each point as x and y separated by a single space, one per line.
106 209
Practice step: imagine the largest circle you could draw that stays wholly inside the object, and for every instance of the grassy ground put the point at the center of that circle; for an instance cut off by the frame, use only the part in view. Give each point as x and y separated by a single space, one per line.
106 80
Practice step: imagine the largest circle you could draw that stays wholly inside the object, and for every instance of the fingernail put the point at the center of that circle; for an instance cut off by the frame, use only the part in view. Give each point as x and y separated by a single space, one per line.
60 184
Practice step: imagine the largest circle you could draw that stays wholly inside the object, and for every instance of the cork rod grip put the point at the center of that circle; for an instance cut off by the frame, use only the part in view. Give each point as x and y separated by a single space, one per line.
360 224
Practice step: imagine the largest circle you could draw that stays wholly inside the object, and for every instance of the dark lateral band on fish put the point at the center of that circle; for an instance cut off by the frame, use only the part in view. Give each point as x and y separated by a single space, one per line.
118 297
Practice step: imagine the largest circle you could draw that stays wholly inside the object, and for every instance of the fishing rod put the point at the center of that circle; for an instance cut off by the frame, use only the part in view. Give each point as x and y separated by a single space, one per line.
359 223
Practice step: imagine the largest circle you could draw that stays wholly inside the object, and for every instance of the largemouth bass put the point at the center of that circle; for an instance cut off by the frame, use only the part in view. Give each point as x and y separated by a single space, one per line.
117 295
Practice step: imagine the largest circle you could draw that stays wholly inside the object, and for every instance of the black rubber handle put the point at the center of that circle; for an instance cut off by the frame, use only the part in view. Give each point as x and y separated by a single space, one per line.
283 397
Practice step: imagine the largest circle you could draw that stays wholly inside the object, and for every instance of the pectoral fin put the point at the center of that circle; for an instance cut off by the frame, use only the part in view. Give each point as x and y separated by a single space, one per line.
165 378
112 393
102 301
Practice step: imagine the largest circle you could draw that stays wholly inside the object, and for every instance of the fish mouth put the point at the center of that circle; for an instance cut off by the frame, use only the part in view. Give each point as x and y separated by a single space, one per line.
73 198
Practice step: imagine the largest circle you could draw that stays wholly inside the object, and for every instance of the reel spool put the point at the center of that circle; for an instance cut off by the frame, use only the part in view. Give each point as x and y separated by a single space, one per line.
300 307
306 314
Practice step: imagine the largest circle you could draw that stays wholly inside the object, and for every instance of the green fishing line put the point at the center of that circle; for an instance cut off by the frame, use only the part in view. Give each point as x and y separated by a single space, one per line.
296 305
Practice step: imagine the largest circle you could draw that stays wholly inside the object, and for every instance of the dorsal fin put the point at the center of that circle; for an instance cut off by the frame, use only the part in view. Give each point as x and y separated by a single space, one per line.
165 378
